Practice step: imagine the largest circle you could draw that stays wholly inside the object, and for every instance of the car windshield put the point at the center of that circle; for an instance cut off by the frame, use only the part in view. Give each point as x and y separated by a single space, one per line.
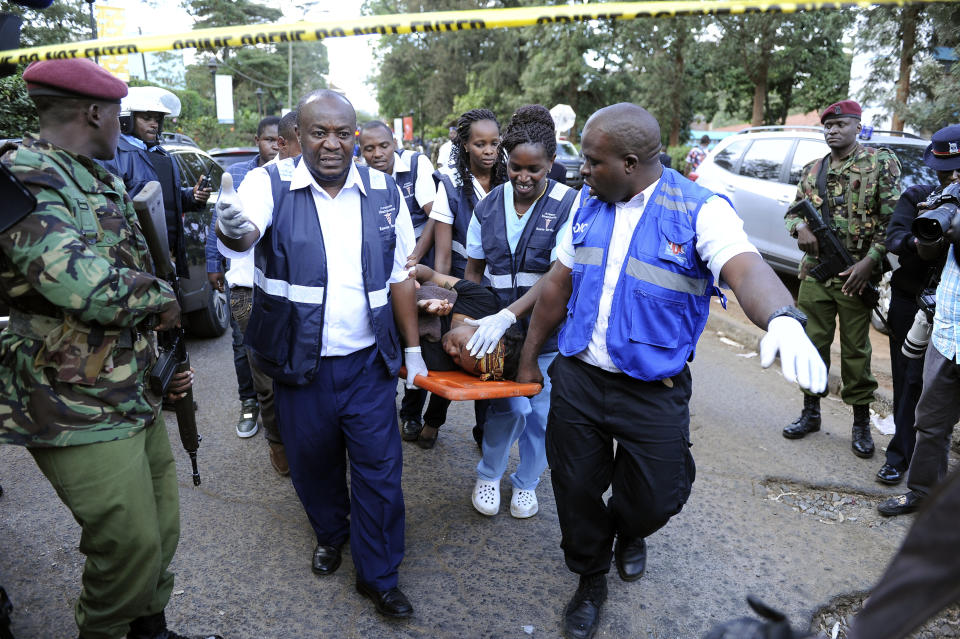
566 150
912 169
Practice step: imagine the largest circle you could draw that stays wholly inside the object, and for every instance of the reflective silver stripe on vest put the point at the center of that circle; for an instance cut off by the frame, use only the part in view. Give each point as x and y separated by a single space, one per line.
458 248
588 255
558 191
501 281
671 190
377 298
527 279
664 278
292 292
673 205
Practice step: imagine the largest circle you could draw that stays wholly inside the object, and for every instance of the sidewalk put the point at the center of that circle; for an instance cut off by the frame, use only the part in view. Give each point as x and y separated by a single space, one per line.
733 323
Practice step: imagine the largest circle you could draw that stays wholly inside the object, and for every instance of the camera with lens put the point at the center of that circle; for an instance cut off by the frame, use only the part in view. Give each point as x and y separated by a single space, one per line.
915 343
940 220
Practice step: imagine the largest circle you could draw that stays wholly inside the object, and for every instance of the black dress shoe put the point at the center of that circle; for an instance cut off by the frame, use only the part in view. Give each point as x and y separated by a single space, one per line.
889 475
390 603
410 430
631 558
326 560
900 505
582 615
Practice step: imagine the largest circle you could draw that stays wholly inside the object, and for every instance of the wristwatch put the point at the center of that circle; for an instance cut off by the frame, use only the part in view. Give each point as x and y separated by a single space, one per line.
789 311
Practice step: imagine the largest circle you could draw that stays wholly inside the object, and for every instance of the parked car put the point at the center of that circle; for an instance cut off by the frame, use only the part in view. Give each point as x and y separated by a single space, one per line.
232 155
759 170
569 157
169 137
206 312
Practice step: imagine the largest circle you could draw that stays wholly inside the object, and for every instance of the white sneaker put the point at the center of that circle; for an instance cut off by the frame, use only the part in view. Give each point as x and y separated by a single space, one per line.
486 497
523 504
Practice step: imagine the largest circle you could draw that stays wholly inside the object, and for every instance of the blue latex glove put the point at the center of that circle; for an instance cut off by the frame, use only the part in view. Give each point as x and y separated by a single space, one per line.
489 331
413 360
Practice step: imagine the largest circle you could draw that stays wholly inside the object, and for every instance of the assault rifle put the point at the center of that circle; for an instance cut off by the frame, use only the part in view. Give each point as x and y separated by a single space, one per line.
833 255
173 357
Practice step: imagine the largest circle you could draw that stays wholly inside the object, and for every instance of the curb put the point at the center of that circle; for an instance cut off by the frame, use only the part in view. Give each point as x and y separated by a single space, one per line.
750 336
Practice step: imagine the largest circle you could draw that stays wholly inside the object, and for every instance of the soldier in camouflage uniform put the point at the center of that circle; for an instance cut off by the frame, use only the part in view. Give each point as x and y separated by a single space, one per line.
77 276
862 185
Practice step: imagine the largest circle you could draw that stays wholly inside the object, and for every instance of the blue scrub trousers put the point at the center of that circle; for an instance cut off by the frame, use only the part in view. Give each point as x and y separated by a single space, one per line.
522 420
348 410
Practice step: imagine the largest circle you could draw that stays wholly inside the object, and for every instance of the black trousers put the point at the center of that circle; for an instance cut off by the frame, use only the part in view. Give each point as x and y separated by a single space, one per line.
907 379
651 471
436 414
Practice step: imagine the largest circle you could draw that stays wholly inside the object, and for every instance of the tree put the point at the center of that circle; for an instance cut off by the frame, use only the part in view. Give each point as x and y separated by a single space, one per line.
776 54
909 84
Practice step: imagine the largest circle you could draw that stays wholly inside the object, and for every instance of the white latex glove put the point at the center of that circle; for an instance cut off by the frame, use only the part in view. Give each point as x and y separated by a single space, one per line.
230 218
489 331
798 356
413 360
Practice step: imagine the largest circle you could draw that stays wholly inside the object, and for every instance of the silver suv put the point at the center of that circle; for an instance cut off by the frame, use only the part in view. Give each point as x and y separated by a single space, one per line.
759 169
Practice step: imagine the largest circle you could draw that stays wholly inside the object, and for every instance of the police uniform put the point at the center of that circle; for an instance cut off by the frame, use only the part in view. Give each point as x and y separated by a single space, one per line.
862 190
518 250
334 373
73 362
643 273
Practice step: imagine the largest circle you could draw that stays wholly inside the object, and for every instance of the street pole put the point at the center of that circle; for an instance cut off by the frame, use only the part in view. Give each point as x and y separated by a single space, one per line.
143 59
93 28
212 65
260 102
290 76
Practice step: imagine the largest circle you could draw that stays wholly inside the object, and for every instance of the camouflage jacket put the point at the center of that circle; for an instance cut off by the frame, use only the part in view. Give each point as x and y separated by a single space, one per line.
77 276
868 180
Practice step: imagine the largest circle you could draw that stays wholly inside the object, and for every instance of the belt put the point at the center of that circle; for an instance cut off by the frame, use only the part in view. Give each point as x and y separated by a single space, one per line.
37 327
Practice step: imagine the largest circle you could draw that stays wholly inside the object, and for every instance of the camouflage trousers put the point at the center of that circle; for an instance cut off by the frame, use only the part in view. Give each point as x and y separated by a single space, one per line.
823 306
124 495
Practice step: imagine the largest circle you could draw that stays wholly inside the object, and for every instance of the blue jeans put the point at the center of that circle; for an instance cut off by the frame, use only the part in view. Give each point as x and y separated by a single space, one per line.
522 420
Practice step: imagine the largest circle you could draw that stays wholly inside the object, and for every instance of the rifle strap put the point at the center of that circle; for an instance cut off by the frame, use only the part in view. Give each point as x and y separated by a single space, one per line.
822 191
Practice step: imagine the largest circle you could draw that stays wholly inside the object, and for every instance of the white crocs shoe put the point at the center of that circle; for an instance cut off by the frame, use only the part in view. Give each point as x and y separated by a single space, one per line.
523 504
486 497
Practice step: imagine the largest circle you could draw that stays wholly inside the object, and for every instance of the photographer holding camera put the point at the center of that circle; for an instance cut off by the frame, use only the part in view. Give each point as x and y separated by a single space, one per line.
936 232
915 278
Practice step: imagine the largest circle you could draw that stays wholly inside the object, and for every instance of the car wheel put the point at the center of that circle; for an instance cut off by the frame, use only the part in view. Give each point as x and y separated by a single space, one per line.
882 311
213 319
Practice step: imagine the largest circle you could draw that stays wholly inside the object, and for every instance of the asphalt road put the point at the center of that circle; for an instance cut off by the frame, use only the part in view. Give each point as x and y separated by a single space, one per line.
243 561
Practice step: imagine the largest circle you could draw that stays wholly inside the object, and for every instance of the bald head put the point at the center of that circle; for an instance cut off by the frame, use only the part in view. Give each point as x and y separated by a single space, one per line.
328 100
630 129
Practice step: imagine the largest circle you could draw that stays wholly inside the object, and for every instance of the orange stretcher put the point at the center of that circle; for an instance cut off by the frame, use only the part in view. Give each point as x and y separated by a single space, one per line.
459 385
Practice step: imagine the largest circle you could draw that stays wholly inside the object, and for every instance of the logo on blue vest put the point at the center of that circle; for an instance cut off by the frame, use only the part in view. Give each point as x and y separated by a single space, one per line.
546 220
580 227
674 252
387 212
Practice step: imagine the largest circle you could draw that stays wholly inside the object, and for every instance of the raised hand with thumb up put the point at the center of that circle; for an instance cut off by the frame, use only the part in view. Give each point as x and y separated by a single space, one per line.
230 218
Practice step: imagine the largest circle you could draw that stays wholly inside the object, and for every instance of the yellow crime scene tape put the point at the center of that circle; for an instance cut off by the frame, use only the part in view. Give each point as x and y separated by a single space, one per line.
434 22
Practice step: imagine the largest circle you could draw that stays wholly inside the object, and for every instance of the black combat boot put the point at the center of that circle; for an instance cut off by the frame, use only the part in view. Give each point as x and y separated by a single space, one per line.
155 627
809 420
862 441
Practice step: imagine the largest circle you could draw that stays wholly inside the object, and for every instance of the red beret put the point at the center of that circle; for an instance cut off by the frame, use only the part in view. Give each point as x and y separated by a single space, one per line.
73 78
841 109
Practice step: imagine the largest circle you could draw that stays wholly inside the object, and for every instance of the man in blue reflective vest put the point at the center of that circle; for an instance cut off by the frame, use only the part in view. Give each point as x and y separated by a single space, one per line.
329 300
638 266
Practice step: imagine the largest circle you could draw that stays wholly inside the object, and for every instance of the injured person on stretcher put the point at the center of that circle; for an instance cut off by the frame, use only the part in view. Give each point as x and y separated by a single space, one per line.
444 303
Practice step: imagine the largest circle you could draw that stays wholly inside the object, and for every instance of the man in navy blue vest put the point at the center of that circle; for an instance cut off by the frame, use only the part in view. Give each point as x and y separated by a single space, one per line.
331 292
638 264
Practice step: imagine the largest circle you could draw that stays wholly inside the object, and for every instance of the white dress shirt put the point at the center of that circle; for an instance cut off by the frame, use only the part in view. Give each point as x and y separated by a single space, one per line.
720 236
424 191
341 225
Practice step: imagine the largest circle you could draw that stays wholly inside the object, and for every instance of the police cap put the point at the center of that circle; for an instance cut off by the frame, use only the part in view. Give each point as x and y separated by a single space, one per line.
943 154
841 109
73 78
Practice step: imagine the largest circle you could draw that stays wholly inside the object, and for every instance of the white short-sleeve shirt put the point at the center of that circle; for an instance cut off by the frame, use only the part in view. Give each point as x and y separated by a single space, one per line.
441 205
424 192
341 225
720 236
